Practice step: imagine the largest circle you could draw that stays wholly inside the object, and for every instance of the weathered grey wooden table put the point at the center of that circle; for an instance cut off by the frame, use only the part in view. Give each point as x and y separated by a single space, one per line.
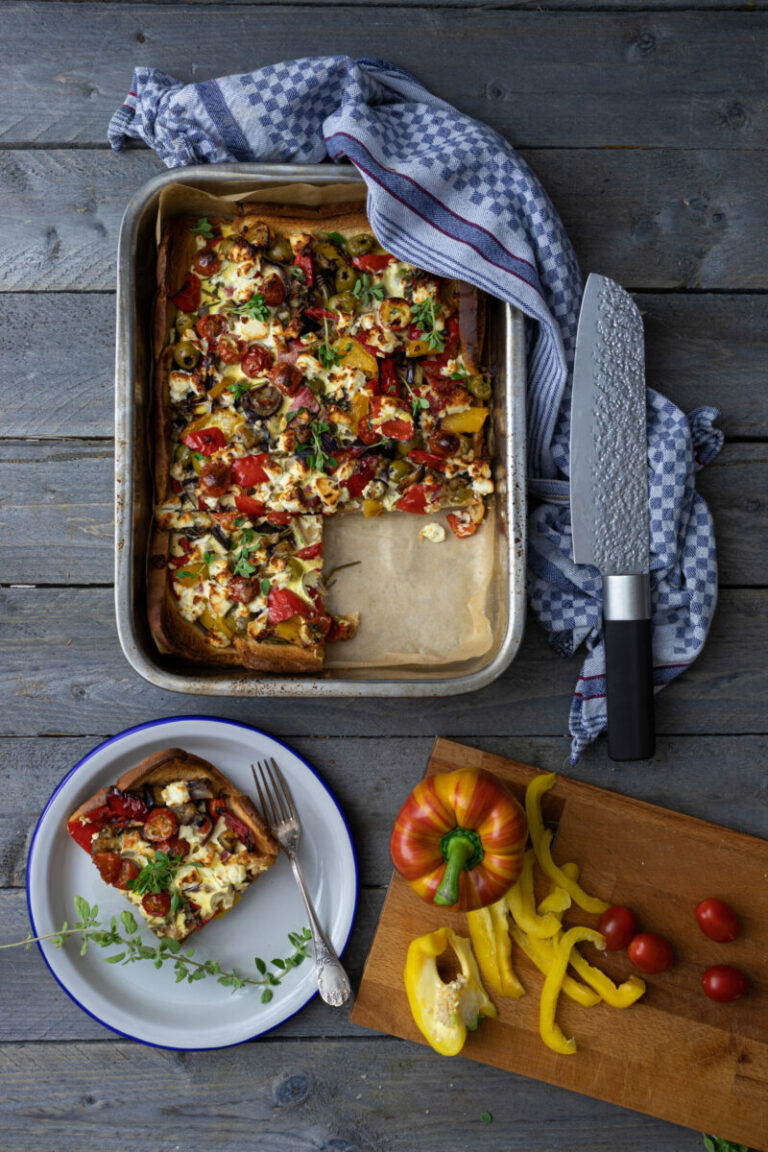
647 124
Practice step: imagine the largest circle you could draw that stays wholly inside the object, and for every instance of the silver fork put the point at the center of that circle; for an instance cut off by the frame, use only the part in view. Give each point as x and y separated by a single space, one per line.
279 812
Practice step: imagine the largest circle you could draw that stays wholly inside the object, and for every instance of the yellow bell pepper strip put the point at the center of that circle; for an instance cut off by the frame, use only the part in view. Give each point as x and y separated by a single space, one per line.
618 996
541 953
470 421
556 901
522 904
541 839
444 1011
459 839
551 1032
488 931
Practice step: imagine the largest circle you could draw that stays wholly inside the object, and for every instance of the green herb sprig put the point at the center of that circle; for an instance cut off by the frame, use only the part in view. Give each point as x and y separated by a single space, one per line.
255 309
239 388
418 403
159 875
335 238
203 228
716 1144
167 951
328 356
424 317
248 544
366 290
318 459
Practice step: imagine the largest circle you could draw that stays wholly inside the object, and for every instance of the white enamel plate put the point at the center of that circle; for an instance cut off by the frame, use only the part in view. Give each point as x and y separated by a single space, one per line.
142 1002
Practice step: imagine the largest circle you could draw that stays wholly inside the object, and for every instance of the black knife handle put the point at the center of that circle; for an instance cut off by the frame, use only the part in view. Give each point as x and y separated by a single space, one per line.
629 688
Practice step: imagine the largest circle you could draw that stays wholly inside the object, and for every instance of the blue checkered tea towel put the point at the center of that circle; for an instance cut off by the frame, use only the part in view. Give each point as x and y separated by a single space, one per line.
452 196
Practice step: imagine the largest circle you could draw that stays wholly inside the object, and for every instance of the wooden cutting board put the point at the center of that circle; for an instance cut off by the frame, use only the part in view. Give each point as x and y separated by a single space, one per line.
675 1054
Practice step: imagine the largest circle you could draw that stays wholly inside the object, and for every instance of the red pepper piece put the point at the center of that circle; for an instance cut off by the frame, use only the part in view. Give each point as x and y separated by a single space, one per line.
188 299
311 552
363 474
249 470
320 314
462 526
416 499
372 262
430 459
82 830
397 429
219 807
206 441
282 603
388 381
303 260
249 507
126 805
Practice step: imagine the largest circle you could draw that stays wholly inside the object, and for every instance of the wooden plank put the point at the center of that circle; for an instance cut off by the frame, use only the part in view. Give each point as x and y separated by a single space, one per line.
57 364
650 218
678 776
320 1096
62 672
662 864
649 90
700 349
56 512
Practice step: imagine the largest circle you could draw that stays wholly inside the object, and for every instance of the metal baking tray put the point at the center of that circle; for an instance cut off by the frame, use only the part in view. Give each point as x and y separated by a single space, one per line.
136 260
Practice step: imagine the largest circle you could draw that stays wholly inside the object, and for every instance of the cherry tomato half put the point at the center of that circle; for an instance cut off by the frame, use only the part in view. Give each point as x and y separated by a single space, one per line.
176 846
161 824
717 920
618 926
723 983
108 864
650 953
157 903
129 870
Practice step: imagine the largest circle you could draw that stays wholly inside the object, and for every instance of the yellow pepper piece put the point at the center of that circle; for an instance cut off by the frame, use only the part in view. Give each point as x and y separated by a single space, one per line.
550 1030
470 421
488 930
418 347
372 508
542 953
541 839
443 1012
359 409
522 905
289 629
208 620
353 355
228 422
618 996
191 574
556 901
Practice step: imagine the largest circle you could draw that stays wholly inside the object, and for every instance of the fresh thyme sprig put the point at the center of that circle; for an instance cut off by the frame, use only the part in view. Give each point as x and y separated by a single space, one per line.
255 309
158 875
424 317
185 967
239 388
366 290
418 403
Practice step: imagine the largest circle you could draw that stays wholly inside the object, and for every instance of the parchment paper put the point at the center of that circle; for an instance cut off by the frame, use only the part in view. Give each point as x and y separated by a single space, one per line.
420 603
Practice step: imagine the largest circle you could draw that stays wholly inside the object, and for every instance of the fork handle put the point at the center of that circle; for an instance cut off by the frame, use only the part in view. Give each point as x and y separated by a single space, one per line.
332 981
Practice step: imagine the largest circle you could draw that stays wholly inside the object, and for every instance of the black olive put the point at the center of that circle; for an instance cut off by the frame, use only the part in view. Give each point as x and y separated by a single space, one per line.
149 796
258 403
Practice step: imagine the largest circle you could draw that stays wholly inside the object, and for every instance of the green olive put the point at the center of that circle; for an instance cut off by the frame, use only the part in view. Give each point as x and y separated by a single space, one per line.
399 469
346 278
480 387
281 251
342 302
186 355
359 245
183 322
461 495
406 446
315 385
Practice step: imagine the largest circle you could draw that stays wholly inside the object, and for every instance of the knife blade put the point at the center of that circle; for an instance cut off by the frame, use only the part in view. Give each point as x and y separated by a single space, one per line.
609 502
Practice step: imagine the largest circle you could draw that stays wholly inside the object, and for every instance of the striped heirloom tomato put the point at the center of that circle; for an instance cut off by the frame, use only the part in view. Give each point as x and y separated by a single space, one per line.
459 839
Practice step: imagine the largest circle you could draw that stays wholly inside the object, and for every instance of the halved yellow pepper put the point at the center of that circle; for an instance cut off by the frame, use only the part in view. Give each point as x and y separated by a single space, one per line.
470 421
444 1011
522 904
551 1032
542 953
488 930
541 839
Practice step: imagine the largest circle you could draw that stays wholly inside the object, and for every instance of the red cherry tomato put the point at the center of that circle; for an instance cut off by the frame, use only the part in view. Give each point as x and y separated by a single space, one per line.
161 824
650 953
157 903
717 920
618 926
108 864
176 846
723 983
129 870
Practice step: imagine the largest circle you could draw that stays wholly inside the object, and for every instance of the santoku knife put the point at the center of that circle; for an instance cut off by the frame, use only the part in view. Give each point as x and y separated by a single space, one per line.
609 502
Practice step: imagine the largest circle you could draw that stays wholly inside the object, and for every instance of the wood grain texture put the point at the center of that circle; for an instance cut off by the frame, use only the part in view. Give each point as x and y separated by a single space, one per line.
62 672
584 80
649 218
56 512
321 1096
662 863
699 349
370 777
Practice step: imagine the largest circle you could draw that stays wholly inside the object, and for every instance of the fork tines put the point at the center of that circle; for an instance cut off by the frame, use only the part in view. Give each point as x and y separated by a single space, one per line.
275 798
